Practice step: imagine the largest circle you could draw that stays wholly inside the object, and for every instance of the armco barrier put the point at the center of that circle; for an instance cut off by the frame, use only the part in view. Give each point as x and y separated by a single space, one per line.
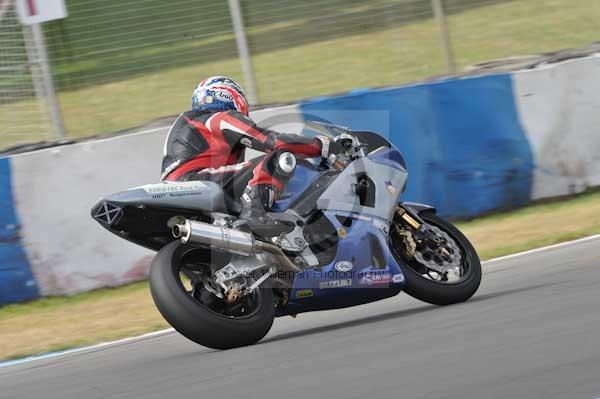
472 145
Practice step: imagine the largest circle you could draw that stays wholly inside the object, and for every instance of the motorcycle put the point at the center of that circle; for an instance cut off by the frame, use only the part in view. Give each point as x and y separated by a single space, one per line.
348 240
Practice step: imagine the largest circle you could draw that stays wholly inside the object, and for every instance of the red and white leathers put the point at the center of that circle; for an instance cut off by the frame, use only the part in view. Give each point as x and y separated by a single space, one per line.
204 145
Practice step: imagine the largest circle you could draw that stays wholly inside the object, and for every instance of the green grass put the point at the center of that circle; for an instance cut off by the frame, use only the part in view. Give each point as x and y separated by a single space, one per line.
535 226
53 324
361 45
57 323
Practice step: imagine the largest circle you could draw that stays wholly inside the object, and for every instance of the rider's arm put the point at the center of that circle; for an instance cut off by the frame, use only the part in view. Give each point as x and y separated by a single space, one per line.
265 140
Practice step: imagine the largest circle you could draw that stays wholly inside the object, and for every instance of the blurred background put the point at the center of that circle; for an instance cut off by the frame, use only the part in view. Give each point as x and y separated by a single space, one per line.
115 65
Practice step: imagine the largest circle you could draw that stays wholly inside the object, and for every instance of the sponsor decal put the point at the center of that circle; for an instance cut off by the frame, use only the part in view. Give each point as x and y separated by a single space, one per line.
179 195
208 100
390 187
223 96
397 278
226 168
374 278
304 293
343 283
342 232
166 188
344 266
108 213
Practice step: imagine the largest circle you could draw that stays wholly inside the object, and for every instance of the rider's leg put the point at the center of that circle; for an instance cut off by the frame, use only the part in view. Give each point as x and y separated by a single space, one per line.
257 183
268 180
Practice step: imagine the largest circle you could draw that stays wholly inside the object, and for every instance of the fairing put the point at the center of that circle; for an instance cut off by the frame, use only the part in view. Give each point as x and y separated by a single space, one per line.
374 274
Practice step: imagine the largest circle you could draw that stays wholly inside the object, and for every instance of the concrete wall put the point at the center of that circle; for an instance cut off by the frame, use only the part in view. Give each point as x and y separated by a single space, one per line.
559 108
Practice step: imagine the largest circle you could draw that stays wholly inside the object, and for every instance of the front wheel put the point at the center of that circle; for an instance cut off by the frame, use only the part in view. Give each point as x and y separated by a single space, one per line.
198 314
440 279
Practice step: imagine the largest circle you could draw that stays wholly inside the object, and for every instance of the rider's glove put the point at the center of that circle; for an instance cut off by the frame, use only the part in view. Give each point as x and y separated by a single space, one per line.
329 151
345 143
330 147
325 146
336 148
335 152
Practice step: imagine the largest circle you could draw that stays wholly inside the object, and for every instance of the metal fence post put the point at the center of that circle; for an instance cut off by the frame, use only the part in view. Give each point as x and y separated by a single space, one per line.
34 68
438 12
48 82
244 53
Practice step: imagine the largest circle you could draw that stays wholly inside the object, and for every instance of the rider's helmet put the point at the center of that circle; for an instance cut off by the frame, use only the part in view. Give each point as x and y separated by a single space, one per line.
219 93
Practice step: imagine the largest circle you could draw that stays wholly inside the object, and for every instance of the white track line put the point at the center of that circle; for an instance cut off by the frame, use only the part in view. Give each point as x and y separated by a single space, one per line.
86 348
170 330
543 249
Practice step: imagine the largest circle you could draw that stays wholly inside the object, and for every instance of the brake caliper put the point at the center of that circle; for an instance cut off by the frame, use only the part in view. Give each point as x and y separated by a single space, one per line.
427 244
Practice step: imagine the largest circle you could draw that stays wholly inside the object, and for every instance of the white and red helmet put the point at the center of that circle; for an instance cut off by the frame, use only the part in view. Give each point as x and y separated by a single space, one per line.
219 93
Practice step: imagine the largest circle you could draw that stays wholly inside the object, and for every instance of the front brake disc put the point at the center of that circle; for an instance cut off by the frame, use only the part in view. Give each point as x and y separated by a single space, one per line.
446 258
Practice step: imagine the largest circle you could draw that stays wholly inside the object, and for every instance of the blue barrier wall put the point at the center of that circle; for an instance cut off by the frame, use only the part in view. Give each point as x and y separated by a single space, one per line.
17 283
465 148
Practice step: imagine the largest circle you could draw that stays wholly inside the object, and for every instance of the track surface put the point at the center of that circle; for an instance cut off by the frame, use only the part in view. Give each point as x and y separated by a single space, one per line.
532 331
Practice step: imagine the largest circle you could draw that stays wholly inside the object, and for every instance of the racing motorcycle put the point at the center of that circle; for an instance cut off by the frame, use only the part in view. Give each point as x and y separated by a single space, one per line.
348 240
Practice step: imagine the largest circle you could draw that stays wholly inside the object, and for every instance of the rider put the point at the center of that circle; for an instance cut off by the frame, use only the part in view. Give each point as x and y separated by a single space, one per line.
208 142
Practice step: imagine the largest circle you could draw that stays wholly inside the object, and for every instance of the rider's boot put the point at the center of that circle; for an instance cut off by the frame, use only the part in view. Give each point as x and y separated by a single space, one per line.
256 200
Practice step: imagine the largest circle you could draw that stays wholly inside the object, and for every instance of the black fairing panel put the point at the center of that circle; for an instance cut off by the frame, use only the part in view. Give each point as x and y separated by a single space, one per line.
307 202
140 214
322 238
418 208
142 225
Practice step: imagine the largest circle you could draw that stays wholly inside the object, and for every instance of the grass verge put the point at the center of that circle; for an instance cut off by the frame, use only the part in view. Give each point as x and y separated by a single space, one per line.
57 323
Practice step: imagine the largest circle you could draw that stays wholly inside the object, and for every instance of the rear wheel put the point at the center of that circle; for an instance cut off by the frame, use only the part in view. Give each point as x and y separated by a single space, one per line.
438 278
196 312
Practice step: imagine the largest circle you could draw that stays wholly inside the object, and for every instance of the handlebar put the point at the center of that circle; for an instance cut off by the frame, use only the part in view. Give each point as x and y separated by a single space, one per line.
350 149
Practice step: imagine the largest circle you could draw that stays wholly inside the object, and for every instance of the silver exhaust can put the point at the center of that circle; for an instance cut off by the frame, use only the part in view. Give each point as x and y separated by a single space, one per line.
219 237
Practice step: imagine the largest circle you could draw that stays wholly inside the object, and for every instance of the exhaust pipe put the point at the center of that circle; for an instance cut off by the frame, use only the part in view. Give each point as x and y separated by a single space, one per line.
216 236
230 240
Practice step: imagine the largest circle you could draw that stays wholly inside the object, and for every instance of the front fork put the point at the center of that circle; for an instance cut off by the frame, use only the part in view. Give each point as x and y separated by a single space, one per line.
420 231
409 218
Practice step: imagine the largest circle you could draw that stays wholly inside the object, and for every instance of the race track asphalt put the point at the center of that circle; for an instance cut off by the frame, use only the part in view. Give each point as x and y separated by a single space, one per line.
532 331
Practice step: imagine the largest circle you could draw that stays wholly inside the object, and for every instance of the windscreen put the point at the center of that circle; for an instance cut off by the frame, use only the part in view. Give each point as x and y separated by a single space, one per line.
314 128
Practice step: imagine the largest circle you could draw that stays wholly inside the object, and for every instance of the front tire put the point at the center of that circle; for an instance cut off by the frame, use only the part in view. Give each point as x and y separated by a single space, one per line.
419 286
197 322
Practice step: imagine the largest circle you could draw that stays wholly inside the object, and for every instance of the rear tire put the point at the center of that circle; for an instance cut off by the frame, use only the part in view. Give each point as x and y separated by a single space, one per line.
197 322
434 292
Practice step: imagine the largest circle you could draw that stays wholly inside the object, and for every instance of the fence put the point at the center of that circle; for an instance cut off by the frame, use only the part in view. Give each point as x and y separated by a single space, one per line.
119 64
22 109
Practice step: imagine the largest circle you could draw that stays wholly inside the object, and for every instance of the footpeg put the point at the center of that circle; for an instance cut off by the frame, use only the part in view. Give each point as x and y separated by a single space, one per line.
261 280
